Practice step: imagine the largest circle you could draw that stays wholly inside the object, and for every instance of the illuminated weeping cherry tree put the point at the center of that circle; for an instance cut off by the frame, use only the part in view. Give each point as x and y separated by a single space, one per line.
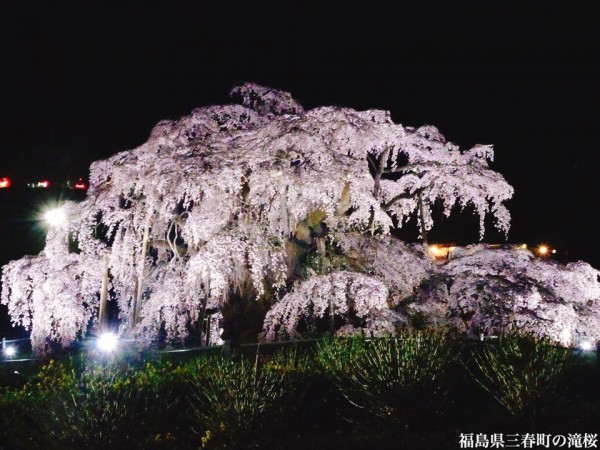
235 198
54 294
481 291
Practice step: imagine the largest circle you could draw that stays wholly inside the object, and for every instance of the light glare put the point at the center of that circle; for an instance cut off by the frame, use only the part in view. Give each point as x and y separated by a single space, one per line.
586 346
441 251
10 351
56 217
436 250
565 337
107 342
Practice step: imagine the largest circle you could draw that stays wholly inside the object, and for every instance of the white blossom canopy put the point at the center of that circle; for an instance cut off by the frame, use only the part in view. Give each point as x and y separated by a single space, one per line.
482 291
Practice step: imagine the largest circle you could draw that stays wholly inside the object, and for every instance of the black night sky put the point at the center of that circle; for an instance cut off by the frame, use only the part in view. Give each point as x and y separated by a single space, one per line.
79 84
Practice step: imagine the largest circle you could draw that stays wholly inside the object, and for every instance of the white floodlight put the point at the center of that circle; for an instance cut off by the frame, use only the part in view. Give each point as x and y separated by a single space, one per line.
56 217
10 351
107 342
586 346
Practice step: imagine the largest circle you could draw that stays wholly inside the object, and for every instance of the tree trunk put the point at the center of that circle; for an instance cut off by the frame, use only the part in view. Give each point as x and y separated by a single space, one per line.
380 170
321 247
137 306
102 320
203 313
377 185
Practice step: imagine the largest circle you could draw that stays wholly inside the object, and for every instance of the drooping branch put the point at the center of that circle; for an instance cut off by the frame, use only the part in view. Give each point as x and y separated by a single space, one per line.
403 196
422 219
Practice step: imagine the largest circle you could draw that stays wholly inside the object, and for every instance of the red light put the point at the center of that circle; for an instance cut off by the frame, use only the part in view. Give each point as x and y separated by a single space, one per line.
4 182
79 184
44 183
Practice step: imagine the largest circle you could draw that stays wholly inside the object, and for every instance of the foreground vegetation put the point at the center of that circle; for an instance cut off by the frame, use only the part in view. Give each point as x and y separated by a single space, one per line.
419 390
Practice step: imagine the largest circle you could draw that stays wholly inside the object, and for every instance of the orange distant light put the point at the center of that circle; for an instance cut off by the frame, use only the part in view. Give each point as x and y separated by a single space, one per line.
437 251
543 250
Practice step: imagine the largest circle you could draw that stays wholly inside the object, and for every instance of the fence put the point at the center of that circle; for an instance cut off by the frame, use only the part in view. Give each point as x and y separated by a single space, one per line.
17 352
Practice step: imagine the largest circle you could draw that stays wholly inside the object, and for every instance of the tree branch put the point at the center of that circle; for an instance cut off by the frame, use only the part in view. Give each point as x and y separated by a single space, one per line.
396 198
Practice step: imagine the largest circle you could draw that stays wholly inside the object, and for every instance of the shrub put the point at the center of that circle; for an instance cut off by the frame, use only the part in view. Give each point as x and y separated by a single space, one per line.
103 406
235 401
20 408
391 377
521 371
